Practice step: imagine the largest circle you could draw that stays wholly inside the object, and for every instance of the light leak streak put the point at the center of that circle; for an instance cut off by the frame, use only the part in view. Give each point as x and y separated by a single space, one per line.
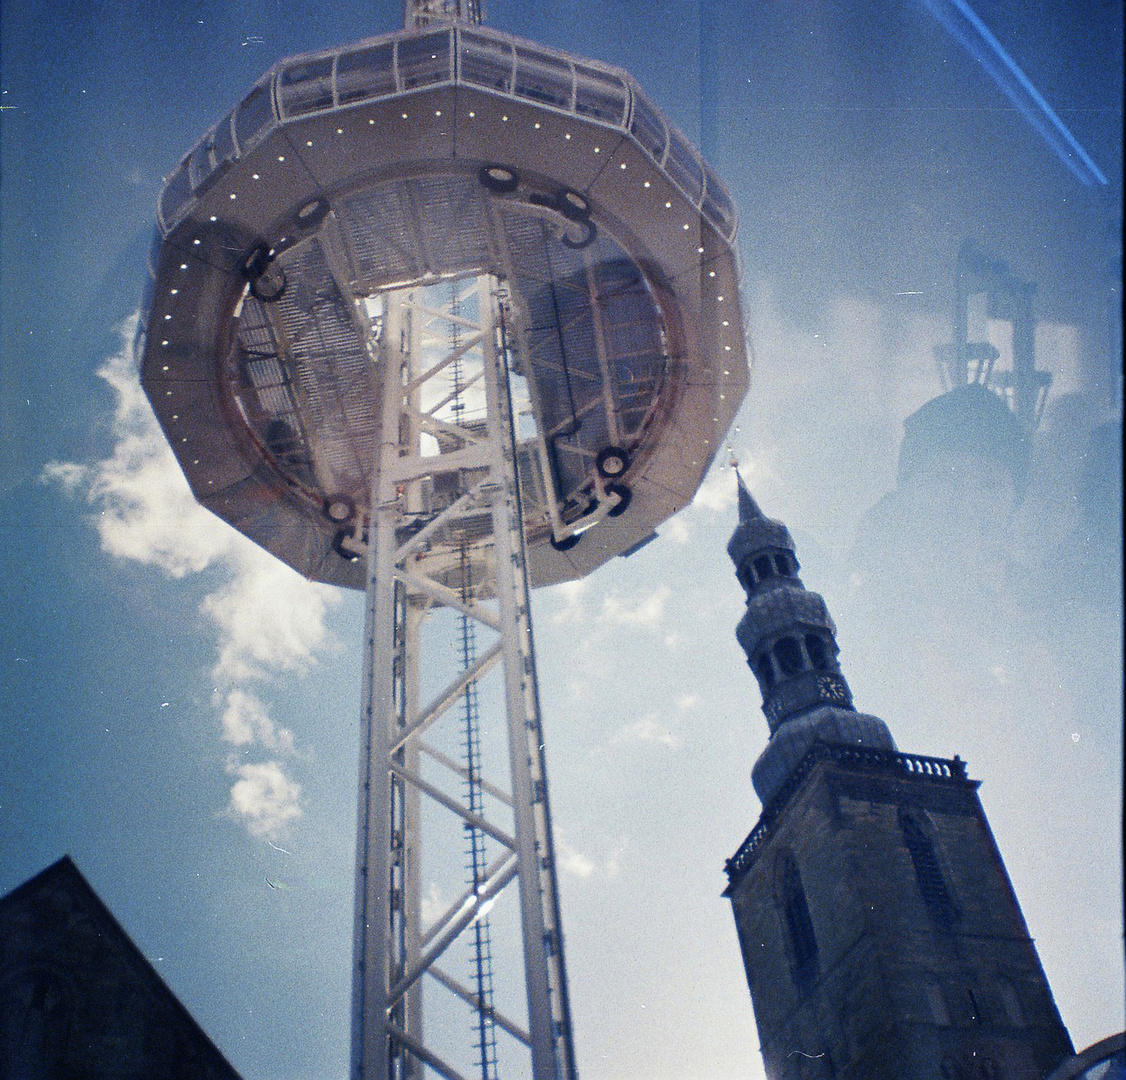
982 46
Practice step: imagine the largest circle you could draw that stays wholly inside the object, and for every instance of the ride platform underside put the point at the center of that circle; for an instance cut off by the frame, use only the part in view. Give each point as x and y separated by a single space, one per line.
420 157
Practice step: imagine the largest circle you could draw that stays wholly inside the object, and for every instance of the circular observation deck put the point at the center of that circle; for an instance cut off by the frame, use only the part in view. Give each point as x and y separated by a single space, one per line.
422 157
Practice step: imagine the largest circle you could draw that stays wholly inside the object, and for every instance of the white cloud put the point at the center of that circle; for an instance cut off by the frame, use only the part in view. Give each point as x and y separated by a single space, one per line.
646 730
688 702
264 798
145 510
616 858
147 513
1001 674
434 905
586 867
570 594
647 611
69 475
643 610
246 722
269 619
718 491
677 530
573 862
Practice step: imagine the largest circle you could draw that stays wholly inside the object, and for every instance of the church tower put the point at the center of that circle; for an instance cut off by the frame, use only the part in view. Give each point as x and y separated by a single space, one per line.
880 933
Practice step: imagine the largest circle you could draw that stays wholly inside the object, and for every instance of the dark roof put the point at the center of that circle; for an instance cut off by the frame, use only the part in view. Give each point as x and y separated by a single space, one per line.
38 933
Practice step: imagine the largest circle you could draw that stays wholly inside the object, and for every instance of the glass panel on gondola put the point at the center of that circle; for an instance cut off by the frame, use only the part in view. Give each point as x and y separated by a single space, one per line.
718 209
485 62
176 195
306 86
425 60
544 78
363 74
600 94
685 168
255 116
201 164
223 145
647 126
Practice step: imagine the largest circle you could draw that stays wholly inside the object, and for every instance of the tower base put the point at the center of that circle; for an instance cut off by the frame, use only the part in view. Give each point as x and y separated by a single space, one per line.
880 933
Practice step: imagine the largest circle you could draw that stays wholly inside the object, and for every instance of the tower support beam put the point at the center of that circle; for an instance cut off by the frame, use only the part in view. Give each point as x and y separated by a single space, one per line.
447 486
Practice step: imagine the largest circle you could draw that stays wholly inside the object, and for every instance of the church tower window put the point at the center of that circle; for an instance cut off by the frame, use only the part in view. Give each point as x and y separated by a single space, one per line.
799 926
786 563
746 576
764 671
788 653
1014 1014
940 1014
932 882
818 652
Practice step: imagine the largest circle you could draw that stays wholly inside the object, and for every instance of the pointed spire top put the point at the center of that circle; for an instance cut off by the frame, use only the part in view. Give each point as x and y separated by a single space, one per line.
755 532
749 510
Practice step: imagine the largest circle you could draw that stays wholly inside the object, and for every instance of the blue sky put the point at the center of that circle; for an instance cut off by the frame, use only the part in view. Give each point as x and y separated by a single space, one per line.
199 761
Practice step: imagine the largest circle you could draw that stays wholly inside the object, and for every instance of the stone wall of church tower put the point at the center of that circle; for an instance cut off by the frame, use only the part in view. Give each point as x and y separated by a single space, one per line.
881 937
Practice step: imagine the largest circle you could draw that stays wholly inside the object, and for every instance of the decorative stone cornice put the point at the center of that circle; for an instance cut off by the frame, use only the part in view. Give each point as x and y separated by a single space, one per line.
889 762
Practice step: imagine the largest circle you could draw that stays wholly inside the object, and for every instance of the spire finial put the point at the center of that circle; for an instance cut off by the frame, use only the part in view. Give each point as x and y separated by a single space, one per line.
748 508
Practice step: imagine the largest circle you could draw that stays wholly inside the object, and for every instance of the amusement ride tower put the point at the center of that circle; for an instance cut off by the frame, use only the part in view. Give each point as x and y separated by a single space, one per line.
444 315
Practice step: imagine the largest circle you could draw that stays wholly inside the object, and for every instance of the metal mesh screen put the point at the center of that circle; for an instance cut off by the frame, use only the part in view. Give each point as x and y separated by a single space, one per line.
323 374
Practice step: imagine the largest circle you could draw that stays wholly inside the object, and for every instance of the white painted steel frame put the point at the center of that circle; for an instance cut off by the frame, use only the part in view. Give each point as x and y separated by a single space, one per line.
422 13
391 951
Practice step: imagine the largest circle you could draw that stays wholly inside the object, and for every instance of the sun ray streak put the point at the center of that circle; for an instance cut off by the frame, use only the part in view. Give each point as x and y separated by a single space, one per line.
966 27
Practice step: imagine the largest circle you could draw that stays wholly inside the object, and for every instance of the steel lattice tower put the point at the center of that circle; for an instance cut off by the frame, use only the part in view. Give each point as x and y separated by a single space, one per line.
443 315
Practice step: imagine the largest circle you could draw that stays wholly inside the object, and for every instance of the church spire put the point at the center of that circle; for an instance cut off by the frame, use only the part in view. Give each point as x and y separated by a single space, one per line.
748 508
879 931
791 646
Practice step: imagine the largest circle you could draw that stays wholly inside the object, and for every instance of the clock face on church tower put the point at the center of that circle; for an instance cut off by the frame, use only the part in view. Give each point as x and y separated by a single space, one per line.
832 689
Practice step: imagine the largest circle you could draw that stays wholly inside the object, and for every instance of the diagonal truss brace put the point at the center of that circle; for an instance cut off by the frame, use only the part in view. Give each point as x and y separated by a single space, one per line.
469 912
